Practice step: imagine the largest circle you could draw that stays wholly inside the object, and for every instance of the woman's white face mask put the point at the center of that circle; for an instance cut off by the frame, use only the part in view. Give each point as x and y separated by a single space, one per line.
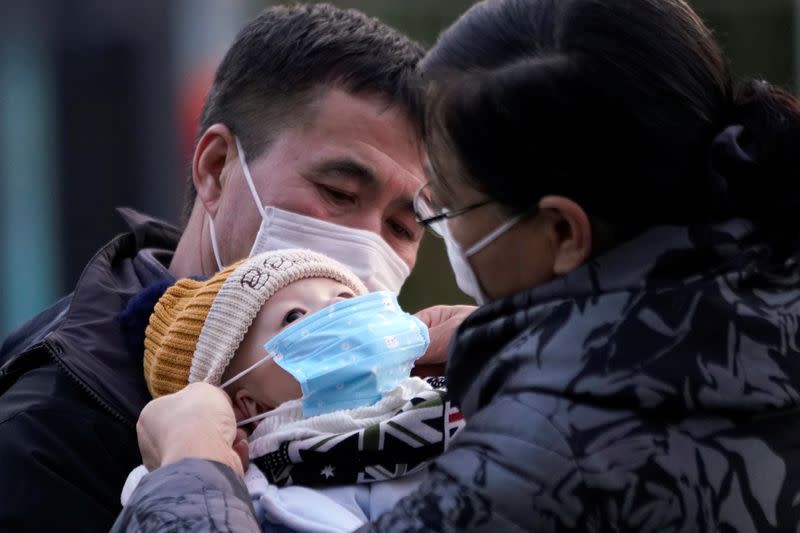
466 278
365 252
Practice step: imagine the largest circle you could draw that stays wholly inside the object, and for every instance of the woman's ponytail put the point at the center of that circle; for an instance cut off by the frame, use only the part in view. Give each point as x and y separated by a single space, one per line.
755 162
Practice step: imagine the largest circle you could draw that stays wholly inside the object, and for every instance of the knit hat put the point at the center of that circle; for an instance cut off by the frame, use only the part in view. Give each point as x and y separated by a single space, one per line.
197 326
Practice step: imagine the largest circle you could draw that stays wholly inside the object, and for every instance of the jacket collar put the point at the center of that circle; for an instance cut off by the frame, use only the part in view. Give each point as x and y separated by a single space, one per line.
148 231
89 342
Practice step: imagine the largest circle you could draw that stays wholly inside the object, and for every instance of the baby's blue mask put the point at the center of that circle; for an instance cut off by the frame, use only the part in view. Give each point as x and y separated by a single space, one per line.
349 353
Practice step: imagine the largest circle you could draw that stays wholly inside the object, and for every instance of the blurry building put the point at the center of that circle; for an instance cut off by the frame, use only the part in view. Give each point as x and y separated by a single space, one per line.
91 117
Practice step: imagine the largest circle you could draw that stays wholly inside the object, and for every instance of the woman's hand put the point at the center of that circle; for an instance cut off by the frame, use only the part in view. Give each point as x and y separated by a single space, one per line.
196 422
442 321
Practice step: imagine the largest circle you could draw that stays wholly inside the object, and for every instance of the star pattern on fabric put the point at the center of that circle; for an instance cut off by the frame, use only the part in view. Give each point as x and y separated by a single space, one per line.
391 341
279 458
327 472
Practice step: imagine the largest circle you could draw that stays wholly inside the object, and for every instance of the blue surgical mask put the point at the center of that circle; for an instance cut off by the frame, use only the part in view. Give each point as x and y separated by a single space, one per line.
349 353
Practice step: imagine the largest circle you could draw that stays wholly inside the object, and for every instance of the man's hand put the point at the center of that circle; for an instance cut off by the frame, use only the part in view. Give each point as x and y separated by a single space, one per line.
197 422
442 321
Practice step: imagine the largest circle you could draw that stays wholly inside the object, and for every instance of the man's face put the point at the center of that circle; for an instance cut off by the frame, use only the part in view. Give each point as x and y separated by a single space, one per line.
356 163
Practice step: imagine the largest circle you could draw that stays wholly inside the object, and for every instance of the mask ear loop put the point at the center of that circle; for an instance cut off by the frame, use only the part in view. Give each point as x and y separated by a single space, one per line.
252 367
253 419
214 245
486 241
248 178
248 369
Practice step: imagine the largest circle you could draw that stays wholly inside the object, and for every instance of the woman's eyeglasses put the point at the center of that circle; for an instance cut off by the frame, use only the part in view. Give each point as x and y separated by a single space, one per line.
432 216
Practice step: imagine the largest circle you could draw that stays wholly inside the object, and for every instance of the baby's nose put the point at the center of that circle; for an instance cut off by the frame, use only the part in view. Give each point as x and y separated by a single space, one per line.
336 299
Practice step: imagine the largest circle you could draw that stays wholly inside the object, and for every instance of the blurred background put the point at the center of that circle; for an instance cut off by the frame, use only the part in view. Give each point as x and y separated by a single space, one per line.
99 102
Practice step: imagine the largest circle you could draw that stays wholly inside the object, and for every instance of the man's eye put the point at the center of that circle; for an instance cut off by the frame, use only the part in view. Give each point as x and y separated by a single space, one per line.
337 195
401 231
293 316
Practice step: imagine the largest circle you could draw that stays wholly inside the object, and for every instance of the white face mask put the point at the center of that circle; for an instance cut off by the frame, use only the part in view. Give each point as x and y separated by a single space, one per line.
366 253
466 278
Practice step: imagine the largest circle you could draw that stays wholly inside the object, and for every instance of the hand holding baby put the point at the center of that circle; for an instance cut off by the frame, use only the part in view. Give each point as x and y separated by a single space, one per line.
442 321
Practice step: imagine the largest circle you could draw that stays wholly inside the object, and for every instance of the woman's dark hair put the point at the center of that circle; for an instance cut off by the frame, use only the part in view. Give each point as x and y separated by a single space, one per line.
628 108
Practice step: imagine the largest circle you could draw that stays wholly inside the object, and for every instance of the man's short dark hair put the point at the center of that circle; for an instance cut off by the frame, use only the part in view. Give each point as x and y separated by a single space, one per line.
280 61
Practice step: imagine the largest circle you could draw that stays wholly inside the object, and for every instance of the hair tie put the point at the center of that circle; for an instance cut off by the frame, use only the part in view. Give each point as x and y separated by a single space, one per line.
732 164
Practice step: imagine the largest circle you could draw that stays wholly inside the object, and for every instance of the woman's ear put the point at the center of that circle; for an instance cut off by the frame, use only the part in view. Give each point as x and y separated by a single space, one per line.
573 233
214 149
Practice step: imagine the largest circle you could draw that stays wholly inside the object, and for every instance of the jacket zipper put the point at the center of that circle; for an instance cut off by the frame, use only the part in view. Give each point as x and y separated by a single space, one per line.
55 350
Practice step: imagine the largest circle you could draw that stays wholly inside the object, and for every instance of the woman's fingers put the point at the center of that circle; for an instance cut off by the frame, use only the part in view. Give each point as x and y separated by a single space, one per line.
197 421
442 322
241 448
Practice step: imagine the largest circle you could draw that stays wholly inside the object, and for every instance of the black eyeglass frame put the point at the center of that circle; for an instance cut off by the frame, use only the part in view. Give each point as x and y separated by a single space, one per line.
428 221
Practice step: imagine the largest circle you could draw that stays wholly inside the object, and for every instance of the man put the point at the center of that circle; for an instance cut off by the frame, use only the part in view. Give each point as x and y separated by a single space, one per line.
313 114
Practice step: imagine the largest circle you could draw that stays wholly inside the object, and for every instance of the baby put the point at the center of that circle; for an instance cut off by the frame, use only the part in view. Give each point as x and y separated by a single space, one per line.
317 370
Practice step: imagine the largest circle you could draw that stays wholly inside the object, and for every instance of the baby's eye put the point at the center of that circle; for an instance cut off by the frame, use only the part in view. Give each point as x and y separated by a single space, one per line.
293 316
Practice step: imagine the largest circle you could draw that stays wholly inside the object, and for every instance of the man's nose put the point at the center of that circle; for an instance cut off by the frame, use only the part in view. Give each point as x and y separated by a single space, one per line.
370 220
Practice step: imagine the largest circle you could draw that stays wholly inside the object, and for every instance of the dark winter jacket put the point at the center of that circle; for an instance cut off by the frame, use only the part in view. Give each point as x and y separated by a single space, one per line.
71 391
654 389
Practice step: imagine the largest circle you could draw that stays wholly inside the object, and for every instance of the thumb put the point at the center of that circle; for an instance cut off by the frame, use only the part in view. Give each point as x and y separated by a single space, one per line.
442 322
436 353
241 448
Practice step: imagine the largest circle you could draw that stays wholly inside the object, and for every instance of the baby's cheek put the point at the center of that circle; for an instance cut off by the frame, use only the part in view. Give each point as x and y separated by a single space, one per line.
286 387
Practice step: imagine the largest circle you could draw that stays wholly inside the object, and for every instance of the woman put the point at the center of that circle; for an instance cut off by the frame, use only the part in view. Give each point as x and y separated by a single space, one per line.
633 220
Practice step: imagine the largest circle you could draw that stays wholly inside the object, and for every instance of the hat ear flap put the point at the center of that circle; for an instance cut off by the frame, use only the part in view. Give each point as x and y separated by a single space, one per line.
134 318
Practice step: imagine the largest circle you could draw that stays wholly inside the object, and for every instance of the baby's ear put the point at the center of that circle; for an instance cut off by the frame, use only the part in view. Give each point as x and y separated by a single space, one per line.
244 405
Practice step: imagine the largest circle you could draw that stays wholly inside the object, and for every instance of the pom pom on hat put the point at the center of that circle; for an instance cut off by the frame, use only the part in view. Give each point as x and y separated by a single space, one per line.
197 326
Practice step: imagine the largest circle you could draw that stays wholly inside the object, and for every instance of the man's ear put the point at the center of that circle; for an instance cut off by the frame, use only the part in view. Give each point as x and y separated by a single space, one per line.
244 405
214 149
573 233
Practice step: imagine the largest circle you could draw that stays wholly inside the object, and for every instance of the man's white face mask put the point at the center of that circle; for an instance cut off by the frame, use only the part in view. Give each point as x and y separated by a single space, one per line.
365 252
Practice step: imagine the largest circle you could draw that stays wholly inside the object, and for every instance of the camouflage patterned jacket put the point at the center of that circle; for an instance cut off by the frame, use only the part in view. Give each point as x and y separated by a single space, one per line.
190 495
655 389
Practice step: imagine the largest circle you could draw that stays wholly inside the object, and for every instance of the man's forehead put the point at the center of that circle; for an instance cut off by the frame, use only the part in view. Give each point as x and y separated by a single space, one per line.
354 138
364 115
364 138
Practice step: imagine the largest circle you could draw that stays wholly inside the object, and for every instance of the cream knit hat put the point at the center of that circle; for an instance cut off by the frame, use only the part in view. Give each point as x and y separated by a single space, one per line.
197 326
